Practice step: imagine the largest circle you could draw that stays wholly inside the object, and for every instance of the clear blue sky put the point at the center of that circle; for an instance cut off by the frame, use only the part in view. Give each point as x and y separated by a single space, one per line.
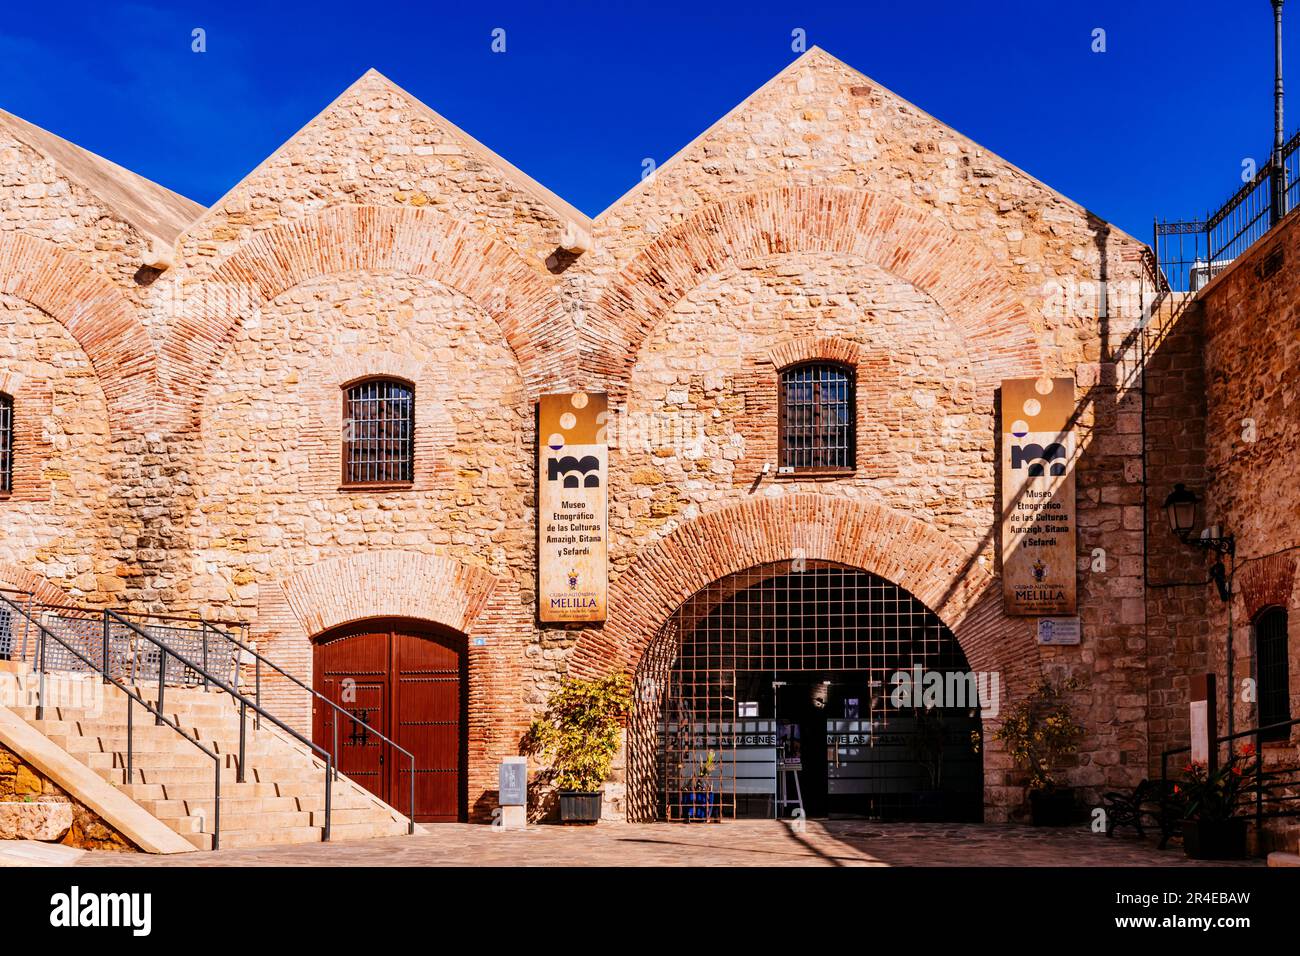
1158 124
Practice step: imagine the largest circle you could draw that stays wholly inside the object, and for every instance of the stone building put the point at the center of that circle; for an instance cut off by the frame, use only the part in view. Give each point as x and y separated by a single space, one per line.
182 381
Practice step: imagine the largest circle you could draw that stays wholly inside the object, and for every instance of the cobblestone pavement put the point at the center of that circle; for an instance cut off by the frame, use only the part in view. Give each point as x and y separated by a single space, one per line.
740 843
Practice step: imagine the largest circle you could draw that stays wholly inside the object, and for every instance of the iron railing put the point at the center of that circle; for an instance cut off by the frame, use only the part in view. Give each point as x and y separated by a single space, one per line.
1191 252
1273 793
221 656
42 644
251 653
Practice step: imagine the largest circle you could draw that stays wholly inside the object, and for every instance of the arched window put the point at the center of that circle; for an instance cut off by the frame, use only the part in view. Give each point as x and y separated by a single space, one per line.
1272 671
818 417
378 432
6 444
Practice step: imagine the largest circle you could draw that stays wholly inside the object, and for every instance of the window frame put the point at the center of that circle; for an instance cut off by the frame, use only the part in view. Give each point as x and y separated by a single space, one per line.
347 482
1277 670
8 413
850 374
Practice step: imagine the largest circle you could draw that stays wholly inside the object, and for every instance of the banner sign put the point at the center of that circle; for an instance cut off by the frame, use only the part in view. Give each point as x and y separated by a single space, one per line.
1039 534
572 507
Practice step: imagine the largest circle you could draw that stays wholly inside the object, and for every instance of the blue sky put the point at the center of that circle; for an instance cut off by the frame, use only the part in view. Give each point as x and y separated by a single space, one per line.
1158 124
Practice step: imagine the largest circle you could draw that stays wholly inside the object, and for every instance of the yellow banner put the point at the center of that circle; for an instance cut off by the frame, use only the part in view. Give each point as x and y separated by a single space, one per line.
572 507
1039 533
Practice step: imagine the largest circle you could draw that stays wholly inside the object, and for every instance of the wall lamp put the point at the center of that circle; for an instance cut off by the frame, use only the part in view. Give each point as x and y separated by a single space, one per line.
1180 506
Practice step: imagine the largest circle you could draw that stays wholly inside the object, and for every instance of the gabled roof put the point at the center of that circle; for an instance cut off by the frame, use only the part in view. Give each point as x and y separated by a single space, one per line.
525 183
152 209
812 54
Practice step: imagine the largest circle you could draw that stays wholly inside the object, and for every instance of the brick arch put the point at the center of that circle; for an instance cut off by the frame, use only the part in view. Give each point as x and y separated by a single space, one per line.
815 348
859 534
97 315
910 244
426 587
416 242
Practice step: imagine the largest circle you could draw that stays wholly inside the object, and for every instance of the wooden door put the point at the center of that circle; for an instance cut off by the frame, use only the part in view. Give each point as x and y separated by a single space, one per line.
406 681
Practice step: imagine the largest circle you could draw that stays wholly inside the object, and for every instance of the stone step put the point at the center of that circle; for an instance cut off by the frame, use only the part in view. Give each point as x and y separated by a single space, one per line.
156 748
1282 858
174 809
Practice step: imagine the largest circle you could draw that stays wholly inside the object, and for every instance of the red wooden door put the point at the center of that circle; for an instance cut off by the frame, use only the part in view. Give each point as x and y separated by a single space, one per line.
406 681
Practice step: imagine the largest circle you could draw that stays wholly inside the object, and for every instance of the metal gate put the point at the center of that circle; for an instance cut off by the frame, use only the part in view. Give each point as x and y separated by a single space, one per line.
718 689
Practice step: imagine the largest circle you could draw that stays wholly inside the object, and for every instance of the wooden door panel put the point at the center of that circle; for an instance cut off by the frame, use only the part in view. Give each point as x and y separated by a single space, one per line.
427 714
353 672
407 682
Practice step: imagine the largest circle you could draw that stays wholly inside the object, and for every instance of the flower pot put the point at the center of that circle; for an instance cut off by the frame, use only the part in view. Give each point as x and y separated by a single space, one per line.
577 806
1215 839
700 805
1052 808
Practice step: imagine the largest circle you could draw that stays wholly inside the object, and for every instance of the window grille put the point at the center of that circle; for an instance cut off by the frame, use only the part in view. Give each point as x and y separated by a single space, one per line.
817 418
379 433
6 444
1272 671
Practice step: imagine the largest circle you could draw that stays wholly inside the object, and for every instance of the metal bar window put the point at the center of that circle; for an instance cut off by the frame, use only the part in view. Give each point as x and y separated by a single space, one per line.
379 433
1272 671
6 444
817 418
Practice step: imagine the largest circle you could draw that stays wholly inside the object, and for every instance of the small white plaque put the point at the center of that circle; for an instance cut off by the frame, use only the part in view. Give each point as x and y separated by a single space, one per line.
1059 630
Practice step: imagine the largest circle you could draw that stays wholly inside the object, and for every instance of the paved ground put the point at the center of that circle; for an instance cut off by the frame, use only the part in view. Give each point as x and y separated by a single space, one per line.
740 843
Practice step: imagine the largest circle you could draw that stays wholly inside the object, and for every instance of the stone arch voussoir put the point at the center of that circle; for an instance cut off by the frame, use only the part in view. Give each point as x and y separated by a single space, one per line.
945 577
97 315
425 587
401 240
908 242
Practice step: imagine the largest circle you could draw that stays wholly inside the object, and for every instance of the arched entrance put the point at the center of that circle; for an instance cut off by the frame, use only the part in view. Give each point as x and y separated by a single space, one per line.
407 680
806 670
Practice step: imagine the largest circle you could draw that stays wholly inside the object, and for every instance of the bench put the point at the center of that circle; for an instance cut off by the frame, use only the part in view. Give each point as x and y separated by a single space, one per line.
1151 803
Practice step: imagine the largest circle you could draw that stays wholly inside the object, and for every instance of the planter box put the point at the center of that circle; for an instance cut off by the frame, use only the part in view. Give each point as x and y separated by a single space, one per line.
579 807
1051 808
46 821
1215 839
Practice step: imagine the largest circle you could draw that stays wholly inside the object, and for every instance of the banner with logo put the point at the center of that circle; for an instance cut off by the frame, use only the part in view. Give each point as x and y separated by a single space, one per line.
1039 534
572 507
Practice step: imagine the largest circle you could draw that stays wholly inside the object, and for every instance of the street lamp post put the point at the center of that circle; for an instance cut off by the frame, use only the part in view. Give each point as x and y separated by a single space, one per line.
1180 507
1278 207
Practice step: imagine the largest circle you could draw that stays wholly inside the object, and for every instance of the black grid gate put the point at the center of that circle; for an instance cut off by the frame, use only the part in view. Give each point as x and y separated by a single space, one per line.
707 730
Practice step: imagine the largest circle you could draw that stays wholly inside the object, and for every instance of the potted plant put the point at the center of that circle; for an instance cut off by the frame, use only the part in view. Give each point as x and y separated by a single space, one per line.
926 747
579 735
1039 731
699 800
1211 828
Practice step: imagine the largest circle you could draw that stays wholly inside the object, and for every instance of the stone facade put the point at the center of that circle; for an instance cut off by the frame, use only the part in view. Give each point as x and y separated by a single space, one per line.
178 430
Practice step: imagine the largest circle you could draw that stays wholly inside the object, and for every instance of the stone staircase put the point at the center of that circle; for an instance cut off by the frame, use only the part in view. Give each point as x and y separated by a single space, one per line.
282 798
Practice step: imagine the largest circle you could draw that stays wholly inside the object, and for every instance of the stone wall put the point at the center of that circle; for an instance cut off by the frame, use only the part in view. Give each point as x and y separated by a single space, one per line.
824 217
1251 316
22 783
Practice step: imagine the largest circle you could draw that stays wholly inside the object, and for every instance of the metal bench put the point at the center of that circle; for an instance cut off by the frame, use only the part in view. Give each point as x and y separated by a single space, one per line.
1149 804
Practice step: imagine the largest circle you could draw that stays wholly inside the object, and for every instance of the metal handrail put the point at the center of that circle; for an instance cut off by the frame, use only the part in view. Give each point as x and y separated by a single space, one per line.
337 709
1258 734
204 670
244 705
132 696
